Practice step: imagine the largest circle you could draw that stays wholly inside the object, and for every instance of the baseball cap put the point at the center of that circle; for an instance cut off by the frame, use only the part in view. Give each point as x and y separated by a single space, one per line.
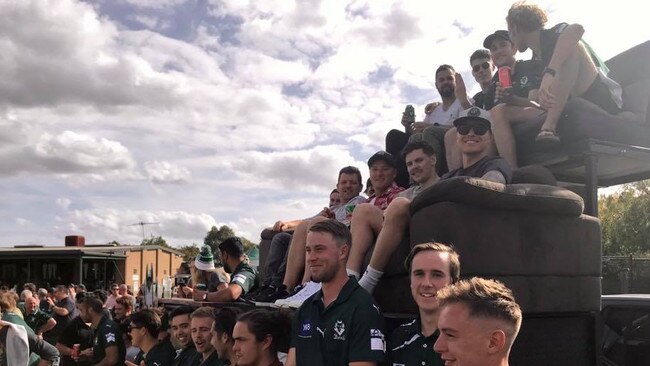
384 156
500 34
473 114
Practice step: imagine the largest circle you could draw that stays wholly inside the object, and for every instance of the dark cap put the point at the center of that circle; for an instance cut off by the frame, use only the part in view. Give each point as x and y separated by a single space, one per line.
473 114
382 155
500 34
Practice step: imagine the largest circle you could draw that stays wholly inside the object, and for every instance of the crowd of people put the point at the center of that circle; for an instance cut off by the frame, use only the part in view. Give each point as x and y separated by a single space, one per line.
317 264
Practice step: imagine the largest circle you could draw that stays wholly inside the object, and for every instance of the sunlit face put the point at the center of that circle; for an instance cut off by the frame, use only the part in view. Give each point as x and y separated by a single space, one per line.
31 304
181 329
503 52
463 341
382 175
323 256
429 273
472 143
420 166
248 350
349 186
120 310
335 199
484 74
201 328
446 83
123 290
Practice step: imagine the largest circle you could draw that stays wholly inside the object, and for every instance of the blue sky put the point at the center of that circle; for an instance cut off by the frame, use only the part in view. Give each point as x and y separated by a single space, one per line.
200 113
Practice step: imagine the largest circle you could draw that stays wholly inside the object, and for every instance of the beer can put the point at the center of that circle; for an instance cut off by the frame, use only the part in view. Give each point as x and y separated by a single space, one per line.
75 351
504 77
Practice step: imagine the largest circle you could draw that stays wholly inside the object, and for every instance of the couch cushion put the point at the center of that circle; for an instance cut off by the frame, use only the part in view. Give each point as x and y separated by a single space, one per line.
521 197
535 174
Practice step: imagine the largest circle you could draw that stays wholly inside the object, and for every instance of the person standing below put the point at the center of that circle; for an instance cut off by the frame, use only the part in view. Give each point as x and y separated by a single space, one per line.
478 321
144 328
339 324
63 310
258 337
222 339
201 327
77 332
181 331
36 319
108 347
431 267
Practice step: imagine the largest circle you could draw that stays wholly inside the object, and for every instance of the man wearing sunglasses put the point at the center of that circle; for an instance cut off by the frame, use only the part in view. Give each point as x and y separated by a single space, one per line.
474 138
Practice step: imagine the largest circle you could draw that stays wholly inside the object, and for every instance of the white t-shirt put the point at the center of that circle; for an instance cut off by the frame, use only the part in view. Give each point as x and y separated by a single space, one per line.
444 117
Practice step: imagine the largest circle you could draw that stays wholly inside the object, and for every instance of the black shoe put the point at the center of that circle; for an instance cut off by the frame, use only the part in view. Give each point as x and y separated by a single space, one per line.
274 293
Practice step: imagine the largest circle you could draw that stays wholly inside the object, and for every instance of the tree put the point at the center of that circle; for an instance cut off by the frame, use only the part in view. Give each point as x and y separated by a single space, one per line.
216 236
625 219
189 252
155 240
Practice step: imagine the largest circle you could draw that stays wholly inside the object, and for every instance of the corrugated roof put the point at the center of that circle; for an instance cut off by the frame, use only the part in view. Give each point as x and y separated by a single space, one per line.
107 249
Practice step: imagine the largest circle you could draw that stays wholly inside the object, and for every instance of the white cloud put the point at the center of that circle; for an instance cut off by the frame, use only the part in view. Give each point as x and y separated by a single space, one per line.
64 203
21 221
166 172
105 225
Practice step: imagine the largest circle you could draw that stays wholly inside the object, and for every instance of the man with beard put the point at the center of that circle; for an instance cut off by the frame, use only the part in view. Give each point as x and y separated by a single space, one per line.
181 330
243 276
108 348
201 327
339 324
77 332
438 120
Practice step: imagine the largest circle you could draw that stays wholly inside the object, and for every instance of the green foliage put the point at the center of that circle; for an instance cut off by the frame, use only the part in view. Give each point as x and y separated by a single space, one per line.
189 252
216 236
155 240
625 218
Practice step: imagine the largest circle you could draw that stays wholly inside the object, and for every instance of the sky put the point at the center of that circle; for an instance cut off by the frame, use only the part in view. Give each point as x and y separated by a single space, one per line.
193 114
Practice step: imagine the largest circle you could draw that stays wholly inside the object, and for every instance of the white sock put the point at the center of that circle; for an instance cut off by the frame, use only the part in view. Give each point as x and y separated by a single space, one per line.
370 279
353 273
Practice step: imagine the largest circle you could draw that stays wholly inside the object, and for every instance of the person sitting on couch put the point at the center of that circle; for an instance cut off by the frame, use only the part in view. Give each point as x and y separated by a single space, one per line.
390 224
474 139
570 68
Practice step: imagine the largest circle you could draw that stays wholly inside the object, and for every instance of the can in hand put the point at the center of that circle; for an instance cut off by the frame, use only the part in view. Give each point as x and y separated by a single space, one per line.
75 351
504 77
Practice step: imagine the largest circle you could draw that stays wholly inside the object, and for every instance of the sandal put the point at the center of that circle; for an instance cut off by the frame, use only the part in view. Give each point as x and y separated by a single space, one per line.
547 137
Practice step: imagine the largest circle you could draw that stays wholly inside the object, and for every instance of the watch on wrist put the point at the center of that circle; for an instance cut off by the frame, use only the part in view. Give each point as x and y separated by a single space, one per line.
548 70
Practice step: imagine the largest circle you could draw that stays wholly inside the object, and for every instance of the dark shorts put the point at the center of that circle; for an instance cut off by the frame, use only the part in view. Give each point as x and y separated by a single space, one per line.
599 94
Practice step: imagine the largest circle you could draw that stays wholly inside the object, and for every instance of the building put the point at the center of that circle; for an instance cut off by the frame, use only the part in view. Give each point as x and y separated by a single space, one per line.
96 266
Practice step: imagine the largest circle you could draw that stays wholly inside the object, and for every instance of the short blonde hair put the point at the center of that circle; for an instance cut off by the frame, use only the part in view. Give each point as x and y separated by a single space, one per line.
526 17
485 298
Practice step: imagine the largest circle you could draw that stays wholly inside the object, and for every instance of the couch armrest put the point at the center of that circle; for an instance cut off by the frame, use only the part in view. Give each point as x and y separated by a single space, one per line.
522 197
267 234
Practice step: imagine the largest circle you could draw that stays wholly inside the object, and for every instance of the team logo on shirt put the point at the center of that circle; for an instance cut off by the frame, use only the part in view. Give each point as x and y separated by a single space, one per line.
339 330
305 329
110 337
377 341
523 81
239 278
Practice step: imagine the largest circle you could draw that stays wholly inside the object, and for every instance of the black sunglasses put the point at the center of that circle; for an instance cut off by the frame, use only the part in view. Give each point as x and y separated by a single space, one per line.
485 65
479 130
